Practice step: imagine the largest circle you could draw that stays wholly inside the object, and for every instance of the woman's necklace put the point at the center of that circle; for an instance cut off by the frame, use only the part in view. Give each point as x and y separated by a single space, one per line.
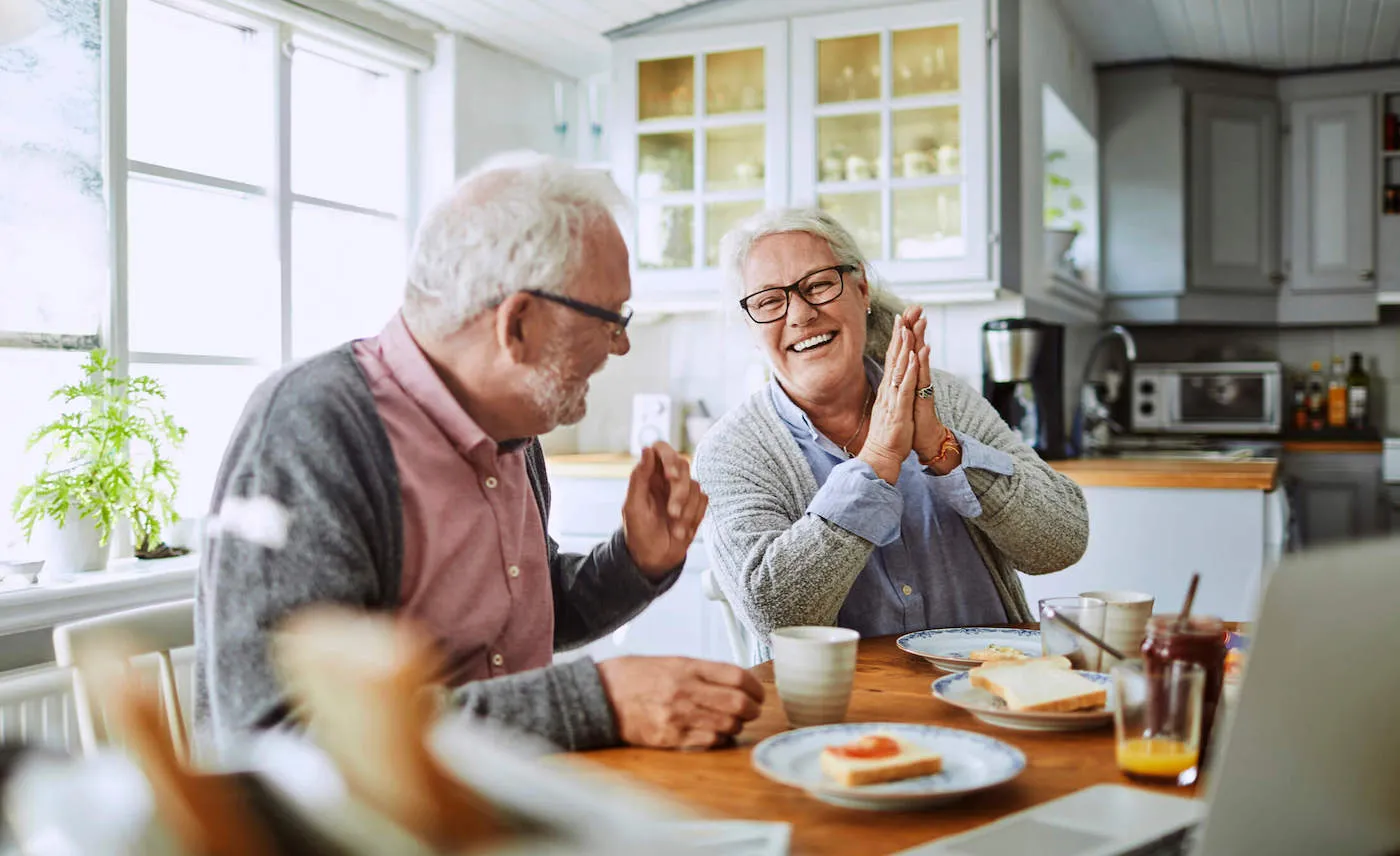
864 412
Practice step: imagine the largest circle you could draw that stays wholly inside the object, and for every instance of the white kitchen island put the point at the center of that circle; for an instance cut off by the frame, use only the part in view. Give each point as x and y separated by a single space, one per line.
1152 523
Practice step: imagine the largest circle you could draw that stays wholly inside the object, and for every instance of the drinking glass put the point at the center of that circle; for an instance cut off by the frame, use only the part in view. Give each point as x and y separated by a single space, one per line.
1157 721
1055 638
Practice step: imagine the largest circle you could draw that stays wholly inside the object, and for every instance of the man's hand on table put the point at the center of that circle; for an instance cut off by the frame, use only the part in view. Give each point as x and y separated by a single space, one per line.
678 702
664 507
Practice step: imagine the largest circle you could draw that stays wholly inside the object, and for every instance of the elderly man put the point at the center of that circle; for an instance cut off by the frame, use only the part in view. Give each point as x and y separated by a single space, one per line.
400 473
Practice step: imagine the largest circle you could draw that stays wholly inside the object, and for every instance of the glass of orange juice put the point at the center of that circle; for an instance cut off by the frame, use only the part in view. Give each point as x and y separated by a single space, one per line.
1157 720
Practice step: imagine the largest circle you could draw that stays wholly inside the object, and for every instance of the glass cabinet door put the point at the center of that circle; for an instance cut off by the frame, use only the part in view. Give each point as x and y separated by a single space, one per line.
706 124
889 133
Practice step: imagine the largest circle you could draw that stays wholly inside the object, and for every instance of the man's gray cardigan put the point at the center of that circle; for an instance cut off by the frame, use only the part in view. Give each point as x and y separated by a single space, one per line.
311 441
779 566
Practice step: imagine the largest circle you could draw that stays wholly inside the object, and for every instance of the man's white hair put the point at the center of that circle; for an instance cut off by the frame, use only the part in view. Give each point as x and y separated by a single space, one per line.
737 243
518 221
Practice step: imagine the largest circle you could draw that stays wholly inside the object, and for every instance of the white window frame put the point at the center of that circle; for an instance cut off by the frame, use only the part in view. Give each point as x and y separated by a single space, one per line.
286 28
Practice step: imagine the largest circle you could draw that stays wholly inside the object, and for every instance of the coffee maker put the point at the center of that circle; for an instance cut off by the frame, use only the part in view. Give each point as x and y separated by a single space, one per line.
1023 378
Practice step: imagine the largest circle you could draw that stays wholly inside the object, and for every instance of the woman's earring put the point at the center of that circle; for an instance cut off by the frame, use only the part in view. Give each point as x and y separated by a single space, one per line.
867 310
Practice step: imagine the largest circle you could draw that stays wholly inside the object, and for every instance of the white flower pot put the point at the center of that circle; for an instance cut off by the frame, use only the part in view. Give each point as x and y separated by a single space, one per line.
1057 244
73 547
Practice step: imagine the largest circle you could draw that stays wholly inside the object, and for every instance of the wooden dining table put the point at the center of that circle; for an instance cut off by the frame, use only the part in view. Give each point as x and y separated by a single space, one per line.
890 686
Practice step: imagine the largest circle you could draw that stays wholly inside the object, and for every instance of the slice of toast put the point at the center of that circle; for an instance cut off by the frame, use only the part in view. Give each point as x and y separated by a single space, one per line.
911 761
1045 684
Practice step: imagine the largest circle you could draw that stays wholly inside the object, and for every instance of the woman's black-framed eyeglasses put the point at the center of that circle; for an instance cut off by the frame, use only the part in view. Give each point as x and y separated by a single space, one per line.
620 319
817 287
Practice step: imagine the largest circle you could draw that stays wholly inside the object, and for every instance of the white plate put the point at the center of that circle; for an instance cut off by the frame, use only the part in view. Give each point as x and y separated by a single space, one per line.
947 649
971 763
957 690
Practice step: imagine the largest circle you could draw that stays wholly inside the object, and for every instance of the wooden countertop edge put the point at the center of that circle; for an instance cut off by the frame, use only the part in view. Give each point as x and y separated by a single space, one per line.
1261 475
1333 446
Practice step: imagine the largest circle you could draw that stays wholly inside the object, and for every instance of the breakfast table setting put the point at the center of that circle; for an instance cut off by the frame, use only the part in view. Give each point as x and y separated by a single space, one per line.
915 693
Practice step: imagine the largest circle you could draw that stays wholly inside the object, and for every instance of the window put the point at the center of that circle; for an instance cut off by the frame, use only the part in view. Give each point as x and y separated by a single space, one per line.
265 172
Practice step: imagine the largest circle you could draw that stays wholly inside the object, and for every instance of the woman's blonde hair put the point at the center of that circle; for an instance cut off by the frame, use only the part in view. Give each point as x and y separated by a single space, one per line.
737 243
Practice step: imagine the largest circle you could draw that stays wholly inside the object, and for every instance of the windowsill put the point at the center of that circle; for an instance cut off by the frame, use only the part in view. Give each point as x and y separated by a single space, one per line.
126 584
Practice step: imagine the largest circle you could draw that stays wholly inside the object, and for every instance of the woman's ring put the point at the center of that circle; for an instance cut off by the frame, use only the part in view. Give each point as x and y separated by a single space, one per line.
926 392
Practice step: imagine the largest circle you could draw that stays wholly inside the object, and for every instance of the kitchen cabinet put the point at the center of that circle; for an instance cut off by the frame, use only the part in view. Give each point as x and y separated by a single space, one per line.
1332 152
682 622
1233 193
1336 496
1190 183
887 128
889 134
1333 210
699 129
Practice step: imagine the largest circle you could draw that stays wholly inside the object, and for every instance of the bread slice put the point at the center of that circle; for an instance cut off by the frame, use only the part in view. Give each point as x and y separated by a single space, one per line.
911 761
997 653
1043 684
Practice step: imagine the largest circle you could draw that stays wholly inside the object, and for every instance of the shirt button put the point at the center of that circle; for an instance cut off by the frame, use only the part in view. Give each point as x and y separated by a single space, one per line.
513 570
497 660
491 481
907 591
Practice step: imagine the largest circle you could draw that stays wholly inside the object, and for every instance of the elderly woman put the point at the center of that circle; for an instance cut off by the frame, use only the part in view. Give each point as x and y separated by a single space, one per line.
880 495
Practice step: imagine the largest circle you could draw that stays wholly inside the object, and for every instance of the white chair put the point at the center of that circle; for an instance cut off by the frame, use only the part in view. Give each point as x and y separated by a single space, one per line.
153 630
739 640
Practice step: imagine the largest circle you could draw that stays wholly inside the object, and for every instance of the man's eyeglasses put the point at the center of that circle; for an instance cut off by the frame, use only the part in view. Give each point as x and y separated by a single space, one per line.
619 319
817 287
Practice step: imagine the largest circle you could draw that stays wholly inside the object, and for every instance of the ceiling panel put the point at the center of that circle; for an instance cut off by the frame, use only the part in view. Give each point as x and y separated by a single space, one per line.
1328 18
1387 32
1171 15
566 35
1204 20
1275 34
1236 31
1356 32
1266 31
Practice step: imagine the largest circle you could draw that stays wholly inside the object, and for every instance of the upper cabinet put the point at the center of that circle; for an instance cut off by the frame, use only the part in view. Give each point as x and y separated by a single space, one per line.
1334 195
1190 190
1233 193
889 134
699 129
887 129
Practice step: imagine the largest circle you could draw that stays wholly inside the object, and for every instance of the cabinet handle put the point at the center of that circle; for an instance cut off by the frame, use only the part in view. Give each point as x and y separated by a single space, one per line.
1276 278
1368 275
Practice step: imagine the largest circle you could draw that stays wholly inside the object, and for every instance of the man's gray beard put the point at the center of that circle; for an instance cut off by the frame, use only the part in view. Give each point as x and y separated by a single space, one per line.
558 401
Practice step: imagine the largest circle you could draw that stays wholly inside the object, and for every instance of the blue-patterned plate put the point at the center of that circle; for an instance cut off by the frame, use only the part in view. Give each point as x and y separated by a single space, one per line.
957 690
947 648
971 762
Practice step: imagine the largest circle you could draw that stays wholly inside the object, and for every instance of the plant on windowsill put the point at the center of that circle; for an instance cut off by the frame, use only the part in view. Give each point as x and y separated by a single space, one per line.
105 463
1061 226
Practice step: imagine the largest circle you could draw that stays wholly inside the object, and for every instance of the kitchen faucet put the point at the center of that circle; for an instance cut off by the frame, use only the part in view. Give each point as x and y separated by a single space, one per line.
1092 419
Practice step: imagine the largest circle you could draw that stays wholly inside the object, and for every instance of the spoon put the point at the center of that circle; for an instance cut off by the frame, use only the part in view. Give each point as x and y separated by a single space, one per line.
1186 607
1073 625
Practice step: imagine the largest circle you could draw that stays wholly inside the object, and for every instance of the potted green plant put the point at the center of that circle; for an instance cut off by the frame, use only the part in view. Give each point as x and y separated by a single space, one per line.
105 463
1061 226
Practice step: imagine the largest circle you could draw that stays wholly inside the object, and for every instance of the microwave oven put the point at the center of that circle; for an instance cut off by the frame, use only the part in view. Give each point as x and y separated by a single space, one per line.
1208 398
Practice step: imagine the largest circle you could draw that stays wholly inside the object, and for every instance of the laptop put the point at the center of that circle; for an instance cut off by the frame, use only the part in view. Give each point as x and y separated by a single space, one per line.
1310 758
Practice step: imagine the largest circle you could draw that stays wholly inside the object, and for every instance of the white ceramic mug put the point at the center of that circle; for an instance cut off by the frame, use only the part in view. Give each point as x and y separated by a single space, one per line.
1125 621
814 668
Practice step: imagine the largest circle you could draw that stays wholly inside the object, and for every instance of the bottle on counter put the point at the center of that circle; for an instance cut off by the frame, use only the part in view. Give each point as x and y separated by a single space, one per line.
1300 404
1337 395
1317 398
1358 395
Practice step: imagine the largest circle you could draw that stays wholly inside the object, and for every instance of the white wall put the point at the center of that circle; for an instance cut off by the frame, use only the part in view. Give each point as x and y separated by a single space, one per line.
1051 55
477 101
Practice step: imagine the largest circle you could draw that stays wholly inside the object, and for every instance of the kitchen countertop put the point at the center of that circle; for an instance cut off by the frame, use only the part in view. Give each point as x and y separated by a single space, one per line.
1375 446
1250 474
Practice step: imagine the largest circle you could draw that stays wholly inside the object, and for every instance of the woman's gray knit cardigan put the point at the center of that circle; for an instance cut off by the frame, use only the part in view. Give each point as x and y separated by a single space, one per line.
780 566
